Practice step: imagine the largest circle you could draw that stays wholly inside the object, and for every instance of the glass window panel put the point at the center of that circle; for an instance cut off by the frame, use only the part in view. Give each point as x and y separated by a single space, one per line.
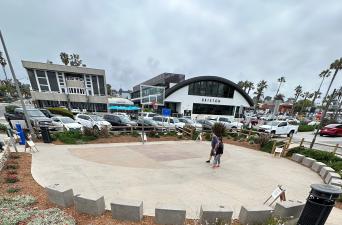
214 88
44 88
220 90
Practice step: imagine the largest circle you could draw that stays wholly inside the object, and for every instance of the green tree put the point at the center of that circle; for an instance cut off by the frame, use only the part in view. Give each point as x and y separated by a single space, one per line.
337 66
280 97
3 64
65 58
261 86
249 86
298 92
75 60
242 85
324 74
307 96
301 104
280 80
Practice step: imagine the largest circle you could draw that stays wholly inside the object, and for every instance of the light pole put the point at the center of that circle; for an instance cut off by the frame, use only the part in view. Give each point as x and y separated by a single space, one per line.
3 64
27 118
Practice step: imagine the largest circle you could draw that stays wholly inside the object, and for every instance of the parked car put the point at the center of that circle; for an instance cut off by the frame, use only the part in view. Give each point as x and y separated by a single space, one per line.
75 111
37 118
147 114
331 130
67 123
47 113
206 124
227 121
314 123
191 122
148 122
92 121
162 121
119 120
279 128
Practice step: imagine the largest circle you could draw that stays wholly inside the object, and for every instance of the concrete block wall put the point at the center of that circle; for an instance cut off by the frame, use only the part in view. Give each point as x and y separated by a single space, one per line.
90 204
255 214
317 166
124 209
60 195
297 157
307 161
216 214
331 175
170 214
288 209
325 170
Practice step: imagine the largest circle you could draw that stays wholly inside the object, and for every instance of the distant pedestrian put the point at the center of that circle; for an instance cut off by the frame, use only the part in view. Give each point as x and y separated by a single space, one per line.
218 153
214 142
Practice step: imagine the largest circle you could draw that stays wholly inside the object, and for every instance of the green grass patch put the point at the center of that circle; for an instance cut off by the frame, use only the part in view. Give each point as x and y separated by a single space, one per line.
305 128
74 137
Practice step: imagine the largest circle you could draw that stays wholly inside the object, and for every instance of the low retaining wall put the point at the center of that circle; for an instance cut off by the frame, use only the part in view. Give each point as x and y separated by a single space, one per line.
4 156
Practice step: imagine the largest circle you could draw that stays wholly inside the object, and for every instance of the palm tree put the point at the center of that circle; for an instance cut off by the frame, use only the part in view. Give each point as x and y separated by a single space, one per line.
3 64
298 92
280 80
323 75
65 58
306 95
339 103
336 65
249 86
261 86
279 97
75 60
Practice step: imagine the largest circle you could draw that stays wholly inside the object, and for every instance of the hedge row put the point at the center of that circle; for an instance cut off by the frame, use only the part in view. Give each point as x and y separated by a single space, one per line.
61 111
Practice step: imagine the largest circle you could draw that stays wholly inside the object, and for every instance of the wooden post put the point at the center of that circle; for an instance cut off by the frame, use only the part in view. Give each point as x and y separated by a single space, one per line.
335 149
131 129
274 146
301 142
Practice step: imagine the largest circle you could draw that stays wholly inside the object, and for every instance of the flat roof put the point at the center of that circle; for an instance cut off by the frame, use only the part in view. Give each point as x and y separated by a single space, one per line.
61 68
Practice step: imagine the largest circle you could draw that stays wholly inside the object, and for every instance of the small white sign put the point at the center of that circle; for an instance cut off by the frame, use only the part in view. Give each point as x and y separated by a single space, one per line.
276 193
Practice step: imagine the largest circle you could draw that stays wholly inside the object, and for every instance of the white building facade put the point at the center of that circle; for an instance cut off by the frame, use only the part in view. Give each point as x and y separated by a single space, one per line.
207 95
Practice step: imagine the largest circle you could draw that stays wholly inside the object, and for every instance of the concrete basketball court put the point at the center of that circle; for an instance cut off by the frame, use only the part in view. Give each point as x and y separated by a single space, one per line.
173 172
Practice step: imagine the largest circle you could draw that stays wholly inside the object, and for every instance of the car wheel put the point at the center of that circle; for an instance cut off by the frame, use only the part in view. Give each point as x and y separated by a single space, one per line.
96 130
272 133
321 135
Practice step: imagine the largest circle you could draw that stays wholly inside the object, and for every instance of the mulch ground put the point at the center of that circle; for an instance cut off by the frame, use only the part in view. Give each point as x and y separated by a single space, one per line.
30 187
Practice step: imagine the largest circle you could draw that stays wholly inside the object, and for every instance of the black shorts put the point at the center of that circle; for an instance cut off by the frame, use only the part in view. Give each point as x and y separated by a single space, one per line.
212 152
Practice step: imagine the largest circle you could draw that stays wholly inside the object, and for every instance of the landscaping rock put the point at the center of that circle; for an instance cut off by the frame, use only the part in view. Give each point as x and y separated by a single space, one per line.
297 157
307 161
60 195
331 175
317 166
288 209
255 215
170 214
93 204
216 214
336 182
127 210
325 170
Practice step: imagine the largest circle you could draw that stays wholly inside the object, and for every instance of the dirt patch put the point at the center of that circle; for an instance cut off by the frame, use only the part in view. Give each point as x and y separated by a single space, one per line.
29 187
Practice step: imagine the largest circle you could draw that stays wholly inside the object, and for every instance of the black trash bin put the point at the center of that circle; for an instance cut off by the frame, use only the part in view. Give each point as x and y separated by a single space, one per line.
46 134
319 204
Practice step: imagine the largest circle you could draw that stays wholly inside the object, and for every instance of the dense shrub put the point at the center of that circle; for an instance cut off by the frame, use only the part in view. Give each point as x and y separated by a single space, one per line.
325 157
11 178
207 136
13 189
262 139
74 137
269 145
104 133
135 134
3 128
305 128
10 108
61 111
153 134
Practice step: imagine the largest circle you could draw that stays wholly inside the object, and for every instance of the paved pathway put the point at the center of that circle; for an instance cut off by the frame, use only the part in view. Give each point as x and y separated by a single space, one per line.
172 172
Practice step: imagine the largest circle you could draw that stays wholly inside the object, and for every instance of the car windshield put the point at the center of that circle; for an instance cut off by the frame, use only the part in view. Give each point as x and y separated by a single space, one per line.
35 113
124 119
175 120
66 120
151 115
97 118
331 126
273 123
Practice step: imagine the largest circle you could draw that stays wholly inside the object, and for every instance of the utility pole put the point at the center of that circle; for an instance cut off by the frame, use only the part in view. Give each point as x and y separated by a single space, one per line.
322 118
27 118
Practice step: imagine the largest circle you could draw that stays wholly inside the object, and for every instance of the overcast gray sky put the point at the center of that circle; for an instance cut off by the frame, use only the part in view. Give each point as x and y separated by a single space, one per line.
134 40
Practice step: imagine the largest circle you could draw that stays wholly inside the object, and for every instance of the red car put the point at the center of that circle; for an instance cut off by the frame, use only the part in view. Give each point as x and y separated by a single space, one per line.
331 130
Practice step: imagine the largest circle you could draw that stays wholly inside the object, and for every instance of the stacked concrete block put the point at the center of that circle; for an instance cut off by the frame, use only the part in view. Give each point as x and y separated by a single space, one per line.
60 195
288 209
331 175
325 170
307 161
169 214
297 157
336 182
255 215
317 166
90 204
130 210
216 214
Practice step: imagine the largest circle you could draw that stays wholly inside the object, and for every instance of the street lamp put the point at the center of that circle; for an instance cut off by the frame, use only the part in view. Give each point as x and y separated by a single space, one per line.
3 63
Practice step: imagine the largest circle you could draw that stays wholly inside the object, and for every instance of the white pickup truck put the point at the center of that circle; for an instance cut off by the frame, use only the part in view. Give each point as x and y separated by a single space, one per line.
279 128
228 122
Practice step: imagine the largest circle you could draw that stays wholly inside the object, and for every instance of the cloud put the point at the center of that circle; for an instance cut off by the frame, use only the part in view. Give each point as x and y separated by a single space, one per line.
135 40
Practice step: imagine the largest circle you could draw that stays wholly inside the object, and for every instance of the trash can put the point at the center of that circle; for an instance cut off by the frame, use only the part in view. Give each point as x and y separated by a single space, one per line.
319 204
46 134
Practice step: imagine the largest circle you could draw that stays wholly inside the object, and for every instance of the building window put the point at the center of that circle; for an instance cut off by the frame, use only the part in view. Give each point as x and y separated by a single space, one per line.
211 89
43 84
212 109
33 80
63 90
